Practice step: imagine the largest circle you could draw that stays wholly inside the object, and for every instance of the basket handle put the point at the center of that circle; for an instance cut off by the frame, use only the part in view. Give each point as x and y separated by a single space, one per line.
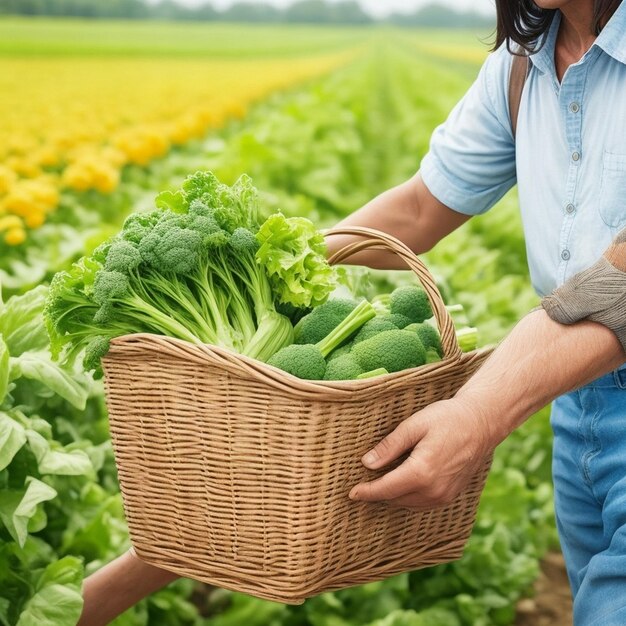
374 239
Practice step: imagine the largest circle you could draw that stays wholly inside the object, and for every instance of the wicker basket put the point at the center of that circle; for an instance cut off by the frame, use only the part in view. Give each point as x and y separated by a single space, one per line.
237 474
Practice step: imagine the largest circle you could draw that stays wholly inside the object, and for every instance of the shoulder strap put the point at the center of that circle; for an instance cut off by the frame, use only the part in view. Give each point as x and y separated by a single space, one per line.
517 79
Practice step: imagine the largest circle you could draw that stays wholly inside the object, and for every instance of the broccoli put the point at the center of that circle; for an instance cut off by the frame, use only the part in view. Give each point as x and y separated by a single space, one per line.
398 320
122 256
96 349
373 327
115 295
294 359
394 350
302 361
344 367
317 324
339 351
199 268
138 225
412 302
429 336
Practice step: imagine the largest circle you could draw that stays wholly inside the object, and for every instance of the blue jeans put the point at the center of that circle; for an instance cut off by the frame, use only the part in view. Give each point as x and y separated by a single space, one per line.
589 471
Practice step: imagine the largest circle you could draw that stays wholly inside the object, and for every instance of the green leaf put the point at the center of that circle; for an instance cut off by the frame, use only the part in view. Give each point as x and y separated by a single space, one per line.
58 600
66 571
40 367
4 611
18 507
12 438
173 200
58 461
293 253
21 321
4 368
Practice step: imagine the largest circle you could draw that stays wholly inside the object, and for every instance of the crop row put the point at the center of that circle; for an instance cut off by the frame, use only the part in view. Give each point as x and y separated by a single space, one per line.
74 124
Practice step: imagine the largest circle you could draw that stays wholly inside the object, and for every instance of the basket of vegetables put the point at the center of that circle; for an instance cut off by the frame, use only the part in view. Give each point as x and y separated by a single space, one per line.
242 393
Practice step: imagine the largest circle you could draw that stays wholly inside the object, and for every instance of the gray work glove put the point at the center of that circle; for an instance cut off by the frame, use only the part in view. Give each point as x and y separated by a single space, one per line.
597 294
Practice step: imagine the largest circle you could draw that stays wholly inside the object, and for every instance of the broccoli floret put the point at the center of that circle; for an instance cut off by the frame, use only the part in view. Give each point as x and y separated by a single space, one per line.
233 207
321 321
293 359
123 257
244 241
171 249
100 253
138 225
200 209
429 336
412 302
110 286
373 327
399 321
340 351
344 367
302 361
95 351
394 350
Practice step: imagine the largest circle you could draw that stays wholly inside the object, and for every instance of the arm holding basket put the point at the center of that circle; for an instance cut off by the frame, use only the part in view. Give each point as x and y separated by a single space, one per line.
578 336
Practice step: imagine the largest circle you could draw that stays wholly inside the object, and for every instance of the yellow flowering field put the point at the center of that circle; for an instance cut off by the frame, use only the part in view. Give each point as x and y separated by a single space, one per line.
72 122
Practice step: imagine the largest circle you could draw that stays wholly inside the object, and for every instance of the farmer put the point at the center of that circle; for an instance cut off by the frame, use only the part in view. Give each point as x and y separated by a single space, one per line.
568 157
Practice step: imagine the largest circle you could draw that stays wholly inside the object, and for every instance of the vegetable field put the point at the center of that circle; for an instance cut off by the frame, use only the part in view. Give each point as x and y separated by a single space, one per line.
96 120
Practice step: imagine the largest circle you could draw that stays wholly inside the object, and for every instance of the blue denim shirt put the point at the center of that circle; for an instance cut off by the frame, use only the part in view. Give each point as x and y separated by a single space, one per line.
569 160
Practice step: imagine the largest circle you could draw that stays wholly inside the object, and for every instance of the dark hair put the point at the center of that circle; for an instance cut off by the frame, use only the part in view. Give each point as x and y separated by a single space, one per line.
522 22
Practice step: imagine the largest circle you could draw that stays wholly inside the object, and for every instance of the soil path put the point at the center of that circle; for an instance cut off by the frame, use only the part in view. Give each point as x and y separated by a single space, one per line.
552 604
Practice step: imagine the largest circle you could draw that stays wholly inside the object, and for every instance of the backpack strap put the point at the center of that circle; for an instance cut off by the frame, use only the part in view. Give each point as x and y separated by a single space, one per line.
517 79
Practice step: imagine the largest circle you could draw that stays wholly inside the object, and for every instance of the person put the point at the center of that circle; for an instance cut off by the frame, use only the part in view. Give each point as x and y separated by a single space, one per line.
569 163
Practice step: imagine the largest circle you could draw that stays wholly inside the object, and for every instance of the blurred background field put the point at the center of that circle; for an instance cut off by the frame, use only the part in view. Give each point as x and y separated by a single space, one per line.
99 115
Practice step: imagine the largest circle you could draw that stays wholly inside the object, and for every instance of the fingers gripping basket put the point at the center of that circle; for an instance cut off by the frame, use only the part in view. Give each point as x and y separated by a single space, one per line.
238 474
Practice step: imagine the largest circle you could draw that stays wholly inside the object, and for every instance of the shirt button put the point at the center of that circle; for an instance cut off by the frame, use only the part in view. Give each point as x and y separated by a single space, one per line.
574 107
570 208
565 255
575 156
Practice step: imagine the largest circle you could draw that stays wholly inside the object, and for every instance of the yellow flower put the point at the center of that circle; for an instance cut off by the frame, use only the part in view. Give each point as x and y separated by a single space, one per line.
15 236
70 115
10 221
91 173
18 201
23 166
7 178
35 219
47 156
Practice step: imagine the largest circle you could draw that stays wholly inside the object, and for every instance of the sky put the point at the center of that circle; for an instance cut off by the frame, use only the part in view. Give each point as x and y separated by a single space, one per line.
376 7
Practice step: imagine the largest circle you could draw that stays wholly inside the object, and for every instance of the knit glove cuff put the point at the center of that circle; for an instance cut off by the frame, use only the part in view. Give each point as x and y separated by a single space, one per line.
597 294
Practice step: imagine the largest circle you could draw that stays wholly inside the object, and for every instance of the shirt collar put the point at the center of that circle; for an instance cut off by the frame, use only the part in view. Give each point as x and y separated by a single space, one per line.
612 40
544 59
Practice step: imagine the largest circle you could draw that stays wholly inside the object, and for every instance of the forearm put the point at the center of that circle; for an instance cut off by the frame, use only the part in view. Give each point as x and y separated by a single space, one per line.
539 361
119 585
408 212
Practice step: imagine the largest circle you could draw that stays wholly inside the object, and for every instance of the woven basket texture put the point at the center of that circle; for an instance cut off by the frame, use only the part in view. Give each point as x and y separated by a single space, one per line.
237 474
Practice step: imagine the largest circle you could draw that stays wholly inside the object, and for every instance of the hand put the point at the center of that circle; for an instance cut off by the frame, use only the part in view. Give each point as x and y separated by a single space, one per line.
450 440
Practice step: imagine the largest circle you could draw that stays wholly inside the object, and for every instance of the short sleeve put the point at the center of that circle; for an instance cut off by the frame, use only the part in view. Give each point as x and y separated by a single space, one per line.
471 161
